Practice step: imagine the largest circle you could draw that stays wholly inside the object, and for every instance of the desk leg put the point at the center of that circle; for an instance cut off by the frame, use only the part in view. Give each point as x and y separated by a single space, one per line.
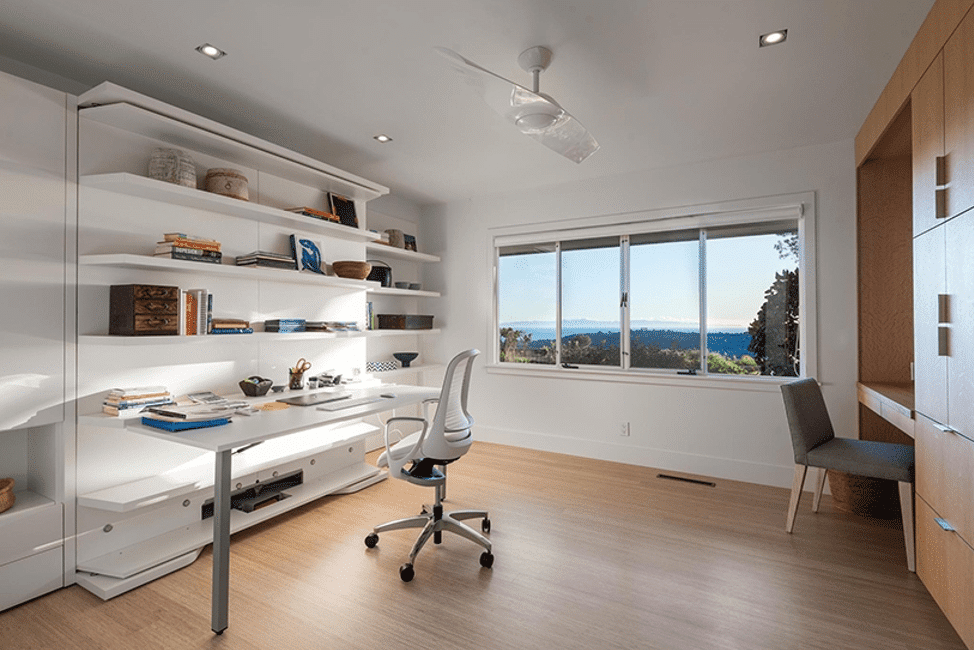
221 542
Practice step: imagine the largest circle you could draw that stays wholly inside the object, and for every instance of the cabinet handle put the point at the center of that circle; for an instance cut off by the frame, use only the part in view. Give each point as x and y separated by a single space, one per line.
941 197
941 171
943 523
943 340
943 428
943 308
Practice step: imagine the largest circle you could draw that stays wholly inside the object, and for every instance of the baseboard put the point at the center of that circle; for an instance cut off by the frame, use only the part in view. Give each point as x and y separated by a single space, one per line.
726 468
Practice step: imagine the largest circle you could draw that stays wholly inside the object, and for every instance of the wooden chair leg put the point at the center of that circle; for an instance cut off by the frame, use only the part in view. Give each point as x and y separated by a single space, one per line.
819 486
796 494
906 507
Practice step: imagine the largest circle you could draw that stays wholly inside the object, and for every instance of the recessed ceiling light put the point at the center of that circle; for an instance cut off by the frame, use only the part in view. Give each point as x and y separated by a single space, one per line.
211 51
382 137
773 38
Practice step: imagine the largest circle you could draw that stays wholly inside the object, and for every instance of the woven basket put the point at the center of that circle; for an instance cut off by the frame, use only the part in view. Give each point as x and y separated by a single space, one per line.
7 497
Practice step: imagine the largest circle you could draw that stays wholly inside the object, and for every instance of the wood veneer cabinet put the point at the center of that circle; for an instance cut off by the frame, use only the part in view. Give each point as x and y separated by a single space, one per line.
927 105
958 56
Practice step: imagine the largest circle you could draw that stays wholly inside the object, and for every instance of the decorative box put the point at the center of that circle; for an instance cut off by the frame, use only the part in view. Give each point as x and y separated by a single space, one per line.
404 322
143 310
380 366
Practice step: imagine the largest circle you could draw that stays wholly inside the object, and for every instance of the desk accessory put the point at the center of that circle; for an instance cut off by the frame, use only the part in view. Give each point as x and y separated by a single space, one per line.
7 497
405 358
255 386
143 310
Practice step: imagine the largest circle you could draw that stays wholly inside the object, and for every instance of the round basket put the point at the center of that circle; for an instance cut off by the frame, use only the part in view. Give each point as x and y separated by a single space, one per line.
7 497
352 270
228 182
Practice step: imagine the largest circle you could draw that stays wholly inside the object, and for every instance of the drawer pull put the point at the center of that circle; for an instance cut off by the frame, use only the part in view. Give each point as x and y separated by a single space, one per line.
943 308
943 428
943 342
941 197
943 523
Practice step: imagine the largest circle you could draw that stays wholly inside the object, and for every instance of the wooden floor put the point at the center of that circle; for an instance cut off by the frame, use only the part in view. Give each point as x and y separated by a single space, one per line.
589 554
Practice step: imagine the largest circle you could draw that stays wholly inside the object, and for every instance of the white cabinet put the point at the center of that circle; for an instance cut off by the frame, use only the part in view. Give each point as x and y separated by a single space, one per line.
141 500
36 421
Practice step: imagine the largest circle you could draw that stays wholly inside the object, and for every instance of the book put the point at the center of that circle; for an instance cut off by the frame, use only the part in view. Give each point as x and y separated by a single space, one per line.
285 321
209 313
186 250
232 330
138 390
266 255
188 243
173 236
184 425
191 257
317 214
267 263
230 322
120 409
189 317
127 401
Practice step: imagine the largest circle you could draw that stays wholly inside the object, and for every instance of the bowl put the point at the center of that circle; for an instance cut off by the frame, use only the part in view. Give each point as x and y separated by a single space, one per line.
255 386
351 269
405 357
415 286
402 285
279 388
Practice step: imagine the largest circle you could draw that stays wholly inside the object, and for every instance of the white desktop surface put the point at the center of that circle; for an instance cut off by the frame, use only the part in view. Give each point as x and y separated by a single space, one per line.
264 425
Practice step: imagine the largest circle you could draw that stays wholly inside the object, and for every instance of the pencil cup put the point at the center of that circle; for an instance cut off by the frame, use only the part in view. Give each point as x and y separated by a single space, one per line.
295 380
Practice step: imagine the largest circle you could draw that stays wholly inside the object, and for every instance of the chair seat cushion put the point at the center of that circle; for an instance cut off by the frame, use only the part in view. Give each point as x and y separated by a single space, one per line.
885 460
403 446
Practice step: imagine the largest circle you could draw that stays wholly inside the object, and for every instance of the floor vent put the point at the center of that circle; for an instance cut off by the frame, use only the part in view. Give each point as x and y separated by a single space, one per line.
687 480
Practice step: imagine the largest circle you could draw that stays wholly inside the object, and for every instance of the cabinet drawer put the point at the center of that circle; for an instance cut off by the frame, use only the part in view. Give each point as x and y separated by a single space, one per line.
156 306
31 577
24 533
945 475
945 564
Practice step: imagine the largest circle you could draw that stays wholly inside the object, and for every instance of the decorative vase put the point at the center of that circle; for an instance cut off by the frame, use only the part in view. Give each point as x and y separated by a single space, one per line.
396 238
172 166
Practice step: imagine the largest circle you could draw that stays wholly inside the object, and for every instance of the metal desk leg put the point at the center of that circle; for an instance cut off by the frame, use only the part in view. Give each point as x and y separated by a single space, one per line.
221 542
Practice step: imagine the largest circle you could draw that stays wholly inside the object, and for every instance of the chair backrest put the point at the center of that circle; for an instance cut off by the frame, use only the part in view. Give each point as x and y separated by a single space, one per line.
808 417
449 434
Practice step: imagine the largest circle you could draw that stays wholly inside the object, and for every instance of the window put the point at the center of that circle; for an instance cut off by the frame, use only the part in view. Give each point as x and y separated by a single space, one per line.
715 295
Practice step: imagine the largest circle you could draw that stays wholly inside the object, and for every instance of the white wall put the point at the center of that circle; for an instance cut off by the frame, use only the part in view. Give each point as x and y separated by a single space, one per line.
727 433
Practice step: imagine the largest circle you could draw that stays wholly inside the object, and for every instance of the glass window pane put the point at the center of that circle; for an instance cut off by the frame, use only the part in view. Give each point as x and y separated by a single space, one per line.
665 300
526 302
752 302
590 325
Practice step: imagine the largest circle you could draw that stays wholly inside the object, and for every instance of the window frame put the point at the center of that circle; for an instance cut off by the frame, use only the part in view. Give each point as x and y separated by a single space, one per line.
800 207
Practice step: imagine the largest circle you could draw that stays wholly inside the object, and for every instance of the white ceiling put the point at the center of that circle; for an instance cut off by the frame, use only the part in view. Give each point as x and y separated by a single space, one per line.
658 82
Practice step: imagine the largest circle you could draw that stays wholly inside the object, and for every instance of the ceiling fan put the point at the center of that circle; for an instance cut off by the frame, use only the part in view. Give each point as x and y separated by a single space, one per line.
534 113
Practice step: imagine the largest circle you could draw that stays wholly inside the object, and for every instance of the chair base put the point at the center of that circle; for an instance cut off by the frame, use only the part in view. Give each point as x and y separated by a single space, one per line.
434 521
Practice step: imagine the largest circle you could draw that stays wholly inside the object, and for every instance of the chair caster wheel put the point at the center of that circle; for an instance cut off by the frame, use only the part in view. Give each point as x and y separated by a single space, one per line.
486 559
485 526
406 572
371 540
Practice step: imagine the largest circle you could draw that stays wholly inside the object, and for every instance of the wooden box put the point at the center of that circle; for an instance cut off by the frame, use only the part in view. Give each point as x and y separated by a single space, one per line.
404 322
143 310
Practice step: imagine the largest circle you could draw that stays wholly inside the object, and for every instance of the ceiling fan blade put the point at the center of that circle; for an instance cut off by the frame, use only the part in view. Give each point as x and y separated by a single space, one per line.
557 129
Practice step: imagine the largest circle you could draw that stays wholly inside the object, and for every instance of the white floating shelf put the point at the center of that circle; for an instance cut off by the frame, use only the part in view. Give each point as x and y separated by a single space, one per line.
405 371
148 262
400 253
109 339
408 293
25 501
148 188
381 333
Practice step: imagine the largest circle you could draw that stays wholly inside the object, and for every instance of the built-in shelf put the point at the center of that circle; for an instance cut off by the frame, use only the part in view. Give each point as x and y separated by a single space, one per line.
148 262
400 253
25 501
149 188
408 293
109 339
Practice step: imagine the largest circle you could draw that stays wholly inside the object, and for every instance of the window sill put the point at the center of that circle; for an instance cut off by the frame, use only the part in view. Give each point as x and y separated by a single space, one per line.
723 382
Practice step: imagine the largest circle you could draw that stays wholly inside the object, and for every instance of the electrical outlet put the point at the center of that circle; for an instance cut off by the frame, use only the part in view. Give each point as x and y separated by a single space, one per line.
624 429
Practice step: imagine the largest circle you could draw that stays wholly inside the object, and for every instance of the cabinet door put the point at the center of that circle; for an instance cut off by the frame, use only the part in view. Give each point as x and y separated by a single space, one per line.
927 101
960 288
33 120
959 117
929 283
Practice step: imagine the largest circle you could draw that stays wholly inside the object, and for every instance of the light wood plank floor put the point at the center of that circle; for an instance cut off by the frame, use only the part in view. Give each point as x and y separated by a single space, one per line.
589 554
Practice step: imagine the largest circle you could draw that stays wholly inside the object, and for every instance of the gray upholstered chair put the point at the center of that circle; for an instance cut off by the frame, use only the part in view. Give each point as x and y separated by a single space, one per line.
816 446
443 439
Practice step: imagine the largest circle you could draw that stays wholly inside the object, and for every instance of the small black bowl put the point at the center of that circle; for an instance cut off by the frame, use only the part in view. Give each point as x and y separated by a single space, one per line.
255 386
405 357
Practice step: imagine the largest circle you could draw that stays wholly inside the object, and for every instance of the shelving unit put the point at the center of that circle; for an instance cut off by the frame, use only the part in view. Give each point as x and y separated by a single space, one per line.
400 253
405 293
106 339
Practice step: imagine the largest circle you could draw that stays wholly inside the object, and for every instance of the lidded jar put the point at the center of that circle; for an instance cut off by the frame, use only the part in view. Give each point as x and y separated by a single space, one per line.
172 166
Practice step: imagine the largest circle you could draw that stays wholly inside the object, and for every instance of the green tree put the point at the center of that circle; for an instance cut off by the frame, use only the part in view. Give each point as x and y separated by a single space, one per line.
774 332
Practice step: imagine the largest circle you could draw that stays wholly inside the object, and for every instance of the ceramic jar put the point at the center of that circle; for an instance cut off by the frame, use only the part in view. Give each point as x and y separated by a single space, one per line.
172 166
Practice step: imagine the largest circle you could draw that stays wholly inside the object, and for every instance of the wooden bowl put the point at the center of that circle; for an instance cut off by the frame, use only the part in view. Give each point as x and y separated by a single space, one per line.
7 497
351 270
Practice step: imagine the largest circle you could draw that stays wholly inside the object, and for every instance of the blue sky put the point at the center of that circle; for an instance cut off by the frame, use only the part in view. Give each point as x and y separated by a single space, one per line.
664 282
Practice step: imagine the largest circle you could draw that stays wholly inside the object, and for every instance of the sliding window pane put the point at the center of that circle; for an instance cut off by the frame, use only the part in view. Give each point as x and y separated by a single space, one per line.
590 316
526 302
665 300
752 300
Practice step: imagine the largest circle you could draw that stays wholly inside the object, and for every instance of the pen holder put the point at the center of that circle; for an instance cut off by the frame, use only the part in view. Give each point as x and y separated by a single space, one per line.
295 380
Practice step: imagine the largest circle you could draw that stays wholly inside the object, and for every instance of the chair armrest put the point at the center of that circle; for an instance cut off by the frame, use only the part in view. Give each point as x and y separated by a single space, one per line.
419 441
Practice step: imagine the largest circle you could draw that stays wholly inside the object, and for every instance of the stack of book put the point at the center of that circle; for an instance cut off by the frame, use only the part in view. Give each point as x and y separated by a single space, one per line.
285 325
230 326
317 214
197 310
180 246
267 260
121 401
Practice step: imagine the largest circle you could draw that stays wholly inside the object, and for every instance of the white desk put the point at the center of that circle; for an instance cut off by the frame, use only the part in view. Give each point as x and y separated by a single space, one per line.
262 426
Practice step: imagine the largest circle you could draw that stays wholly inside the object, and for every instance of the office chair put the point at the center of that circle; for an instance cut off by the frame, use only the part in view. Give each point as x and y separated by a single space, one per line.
815 445
427 452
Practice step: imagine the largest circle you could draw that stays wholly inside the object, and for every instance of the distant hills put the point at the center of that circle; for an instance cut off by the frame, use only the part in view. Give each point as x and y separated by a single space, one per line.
728 343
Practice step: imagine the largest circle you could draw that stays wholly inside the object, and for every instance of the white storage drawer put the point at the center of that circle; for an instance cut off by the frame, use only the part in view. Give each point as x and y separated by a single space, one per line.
26 533
31 577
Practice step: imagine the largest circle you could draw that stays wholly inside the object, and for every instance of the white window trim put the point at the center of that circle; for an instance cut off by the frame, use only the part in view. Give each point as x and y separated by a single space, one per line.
773 208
